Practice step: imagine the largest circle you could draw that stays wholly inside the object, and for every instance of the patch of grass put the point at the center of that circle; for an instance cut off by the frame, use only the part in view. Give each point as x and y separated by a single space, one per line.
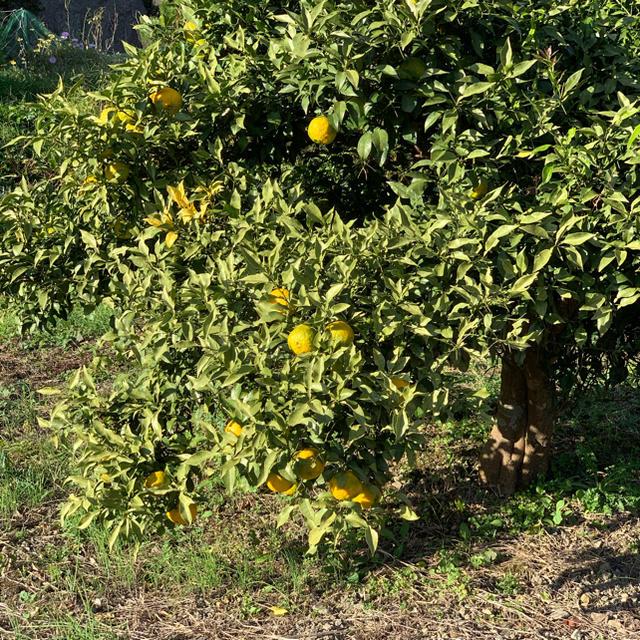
31 470
78 326
62 625
9 322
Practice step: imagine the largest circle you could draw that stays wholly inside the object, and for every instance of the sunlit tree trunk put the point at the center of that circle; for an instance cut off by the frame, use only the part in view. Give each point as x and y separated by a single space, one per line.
518 447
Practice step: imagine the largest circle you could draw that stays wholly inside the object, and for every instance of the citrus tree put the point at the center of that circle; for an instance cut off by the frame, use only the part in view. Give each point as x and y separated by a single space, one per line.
304 216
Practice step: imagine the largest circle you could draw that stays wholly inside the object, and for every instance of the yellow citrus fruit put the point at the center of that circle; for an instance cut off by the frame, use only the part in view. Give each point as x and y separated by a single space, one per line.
399 383
154 480
282 297
368 496
480 191
321 131
90 180
233 427
278 484
310 465
301 339
341 332
345 485
169 99
106 478
175 516
116 171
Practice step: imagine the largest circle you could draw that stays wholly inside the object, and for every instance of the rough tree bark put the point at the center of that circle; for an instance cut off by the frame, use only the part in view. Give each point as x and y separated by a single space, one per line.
518 447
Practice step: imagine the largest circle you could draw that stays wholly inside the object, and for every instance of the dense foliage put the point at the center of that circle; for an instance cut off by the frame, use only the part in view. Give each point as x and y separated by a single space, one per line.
480 194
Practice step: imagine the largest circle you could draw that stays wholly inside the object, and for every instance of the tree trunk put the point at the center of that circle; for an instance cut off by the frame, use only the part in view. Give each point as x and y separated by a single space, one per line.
518 447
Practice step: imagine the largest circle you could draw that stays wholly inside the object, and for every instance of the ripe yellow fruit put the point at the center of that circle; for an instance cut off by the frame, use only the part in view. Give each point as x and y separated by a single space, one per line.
106 478
175 516
345 486
368 496
117 172
233 427
480 191
278 484
90 180
155 480
281 297
301 339
321 131
169 99
310 465
399 383
341 332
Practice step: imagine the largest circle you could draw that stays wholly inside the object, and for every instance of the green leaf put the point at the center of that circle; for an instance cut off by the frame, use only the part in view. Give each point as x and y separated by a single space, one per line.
580 237
476 88
407 513
633 136
524 283
371 536
49 391
364 145
285 515
316 534
541 259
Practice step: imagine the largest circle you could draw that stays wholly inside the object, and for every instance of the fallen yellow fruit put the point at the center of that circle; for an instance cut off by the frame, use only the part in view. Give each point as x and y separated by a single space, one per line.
169 99
321 131
310 465
341 332
301 339
278 484
155 479
345 486
175 516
